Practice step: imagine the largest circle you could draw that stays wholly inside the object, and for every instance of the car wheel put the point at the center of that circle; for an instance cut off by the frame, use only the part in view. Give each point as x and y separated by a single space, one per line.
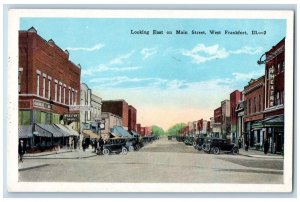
124 151
216 150
235 151
203 147
185 142
105 152
131 148
195 145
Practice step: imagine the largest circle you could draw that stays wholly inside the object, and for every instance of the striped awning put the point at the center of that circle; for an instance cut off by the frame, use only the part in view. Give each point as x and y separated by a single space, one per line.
90 134
120 131
25 131
72 131
46 130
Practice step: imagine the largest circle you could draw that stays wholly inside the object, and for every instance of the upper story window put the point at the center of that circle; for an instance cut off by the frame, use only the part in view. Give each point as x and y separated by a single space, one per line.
19 78
49 87
38 73
55 90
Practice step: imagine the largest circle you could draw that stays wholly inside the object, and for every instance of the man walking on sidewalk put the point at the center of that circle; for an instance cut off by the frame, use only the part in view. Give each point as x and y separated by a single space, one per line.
21 150
266 146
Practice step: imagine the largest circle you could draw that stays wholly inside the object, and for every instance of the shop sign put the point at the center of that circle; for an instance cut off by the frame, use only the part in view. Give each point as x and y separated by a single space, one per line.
40 104
71 117
80 108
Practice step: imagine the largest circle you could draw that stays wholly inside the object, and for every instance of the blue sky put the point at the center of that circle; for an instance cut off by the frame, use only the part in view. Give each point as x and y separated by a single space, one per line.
168 78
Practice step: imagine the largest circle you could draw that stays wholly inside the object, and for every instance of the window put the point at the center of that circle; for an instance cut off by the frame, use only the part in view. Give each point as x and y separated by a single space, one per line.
72 97
19 78
38 85
59 99
249 109
69 100
44 86
55 91
259 103
24 117
64 94
75 97
49 88
254 105
278 68
277 99
283 66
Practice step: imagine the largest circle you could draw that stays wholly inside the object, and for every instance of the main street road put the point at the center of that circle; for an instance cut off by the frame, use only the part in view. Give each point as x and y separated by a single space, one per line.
162 161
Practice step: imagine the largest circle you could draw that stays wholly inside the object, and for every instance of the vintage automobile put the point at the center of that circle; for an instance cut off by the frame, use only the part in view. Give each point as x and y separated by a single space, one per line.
115 145
189 140
217 145
199 142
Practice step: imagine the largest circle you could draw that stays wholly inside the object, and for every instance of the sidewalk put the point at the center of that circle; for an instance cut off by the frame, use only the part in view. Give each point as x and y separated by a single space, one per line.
62 154
259 154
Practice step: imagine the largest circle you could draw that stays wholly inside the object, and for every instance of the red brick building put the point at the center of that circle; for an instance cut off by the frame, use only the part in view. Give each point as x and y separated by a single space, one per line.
235 98
49 83
218 115
273 122
253 111
117 107
131 118
146 131
138 128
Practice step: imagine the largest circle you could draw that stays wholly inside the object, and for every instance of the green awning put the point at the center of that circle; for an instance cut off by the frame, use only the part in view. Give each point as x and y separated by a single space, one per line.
270 122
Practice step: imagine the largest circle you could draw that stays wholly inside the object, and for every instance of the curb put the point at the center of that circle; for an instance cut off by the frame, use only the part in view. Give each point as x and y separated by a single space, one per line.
30 155
78 157
259 156
32 167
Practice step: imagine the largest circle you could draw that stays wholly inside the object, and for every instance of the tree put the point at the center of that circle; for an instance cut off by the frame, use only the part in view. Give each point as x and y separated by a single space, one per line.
157 131
176 129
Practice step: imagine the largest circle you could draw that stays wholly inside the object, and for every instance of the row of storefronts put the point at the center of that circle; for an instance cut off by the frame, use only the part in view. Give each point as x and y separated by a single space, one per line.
55 108
254 114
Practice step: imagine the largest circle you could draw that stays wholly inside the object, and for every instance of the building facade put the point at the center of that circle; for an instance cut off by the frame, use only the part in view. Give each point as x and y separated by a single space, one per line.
225 123
253 112
132 113
110 120
117 107
49 83
273 122
235 98
216 123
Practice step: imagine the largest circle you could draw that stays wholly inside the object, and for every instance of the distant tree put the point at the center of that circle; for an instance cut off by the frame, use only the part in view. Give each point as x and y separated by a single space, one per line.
157 131
176 129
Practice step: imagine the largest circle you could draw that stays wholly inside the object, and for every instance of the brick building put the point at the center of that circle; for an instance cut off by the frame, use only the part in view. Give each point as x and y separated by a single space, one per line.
117 107
216 122
235 98
132 118
225 123
138 128
146 131
253 111
273 122
49 83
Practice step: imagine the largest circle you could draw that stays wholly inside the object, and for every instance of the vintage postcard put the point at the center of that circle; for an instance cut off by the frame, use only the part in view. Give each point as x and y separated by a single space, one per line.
150 101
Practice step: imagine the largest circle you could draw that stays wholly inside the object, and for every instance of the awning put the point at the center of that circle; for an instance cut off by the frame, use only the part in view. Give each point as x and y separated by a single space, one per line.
120 131
68 130
90 133
46 130
25 131
275 121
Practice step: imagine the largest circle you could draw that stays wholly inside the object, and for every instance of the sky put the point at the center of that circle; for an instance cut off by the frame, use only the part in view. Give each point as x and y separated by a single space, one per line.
168 78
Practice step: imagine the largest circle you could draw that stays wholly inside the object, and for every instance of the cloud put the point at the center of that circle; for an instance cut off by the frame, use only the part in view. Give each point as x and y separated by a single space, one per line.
147 52
247 76
104 68
201 53
248 50
120 59
94 48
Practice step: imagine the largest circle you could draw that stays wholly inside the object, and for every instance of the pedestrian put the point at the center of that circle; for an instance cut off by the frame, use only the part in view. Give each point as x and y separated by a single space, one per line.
83 144
240 143
22 150
266 146
246 145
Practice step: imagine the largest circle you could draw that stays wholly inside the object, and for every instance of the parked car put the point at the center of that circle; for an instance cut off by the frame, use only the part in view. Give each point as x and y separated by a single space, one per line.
189 140
217 145
115 145
180 138
199 141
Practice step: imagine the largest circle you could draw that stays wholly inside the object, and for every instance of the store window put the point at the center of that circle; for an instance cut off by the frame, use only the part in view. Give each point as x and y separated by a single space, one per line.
24 117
